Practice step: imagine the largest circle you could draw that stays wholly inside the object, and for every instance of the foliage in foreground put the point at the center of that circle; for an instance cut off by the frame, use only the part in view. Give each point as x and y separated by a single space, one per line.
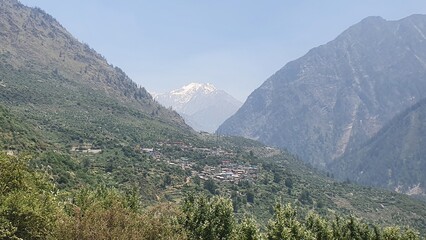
28 208
31 209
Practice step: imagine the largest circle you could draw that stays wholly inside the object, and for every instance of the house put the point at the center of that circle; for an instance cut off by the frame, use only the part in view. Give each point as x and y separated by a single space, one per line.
147 150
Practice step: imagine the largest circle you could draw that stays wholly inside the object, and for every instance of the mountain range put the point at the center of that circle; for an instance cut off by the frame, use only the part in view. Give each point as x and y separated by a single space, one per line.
340 94
72 116
203 106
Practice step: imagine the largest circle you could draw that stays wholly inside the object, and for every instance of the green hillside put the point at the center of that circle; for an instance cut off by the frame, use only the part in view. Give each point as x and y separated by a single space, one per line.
175 169
82 124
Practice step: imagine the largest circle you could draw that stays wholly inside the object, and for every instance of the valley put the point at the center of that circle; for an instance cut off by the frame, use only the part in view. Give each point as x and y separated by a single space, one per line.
86 153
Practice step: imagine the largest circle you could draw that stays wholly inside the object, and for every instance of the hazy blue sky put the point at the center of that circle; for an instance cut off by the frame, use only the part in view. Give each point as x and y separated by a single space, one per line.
234 44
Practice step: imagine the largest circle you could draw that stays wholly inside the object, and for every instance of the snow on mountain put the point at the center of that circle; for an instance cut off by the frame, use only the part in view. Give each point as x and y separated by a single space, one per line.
186 93
203 106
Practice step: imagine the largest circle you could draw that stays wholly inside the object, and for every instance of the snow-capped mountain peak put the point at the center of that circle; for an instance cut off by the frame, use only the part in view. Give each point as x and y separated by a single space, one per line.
201 104
186 93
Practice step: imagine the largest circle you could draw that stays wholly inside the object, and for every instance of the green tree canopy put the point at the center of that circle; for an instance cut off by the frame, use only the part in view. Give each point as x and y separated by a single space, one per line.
28 208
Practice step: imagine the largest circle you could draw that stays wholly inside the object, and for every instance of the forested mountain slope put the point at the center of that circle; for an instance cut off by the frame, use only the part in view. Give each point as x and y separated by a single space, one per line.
68 90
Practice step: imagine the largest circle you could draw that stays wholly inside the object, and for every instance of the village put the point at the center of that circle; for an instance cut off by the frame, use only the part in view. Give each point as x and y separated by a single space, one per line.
228 169
229 172
226 166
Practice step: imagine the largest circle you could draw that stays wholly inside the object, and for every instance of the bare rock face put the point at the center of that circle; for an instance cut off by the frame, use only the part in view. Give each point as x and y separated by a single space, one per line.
393 158
340 94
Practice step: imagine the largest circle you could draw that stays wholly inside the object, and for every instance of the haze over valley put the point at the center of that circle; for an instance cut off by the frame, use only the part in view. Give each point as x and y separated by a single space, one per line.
327 144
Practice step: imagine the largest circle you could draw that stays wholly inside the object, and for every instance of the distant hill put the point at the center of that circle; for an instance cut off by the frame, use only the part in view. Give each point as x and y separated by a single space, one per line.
340 94
395 158
203 106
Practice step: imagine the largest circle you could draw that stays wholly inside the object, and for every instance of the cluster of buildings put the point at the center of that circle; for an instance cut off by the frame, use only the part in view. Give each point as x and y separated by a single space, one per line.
182 162
86 148
229 172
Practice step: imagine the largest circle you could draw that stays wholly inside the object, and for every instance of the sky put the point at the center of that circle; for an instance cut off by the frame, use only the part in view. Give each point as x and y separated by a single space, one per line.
233 44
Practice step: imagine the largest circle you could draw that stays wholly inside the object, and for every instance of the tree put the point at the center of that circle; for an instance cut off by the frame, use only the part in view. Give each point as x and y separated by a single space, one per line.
319 227
277 177
210 186
250 196
205 218
27 203
305 197
167 180
395 233
284 225
288 183
248 230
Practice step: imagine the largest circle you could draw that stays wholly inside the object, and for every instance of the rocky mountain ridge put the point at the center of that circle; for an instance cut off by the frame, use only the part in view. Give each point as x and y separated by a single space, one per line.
67 90
340 94
393 158
33 40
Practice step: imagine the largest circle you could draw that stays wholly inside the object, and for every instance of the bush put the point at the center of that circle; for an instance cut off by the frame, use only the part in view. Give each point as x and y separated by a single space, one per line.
106 213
